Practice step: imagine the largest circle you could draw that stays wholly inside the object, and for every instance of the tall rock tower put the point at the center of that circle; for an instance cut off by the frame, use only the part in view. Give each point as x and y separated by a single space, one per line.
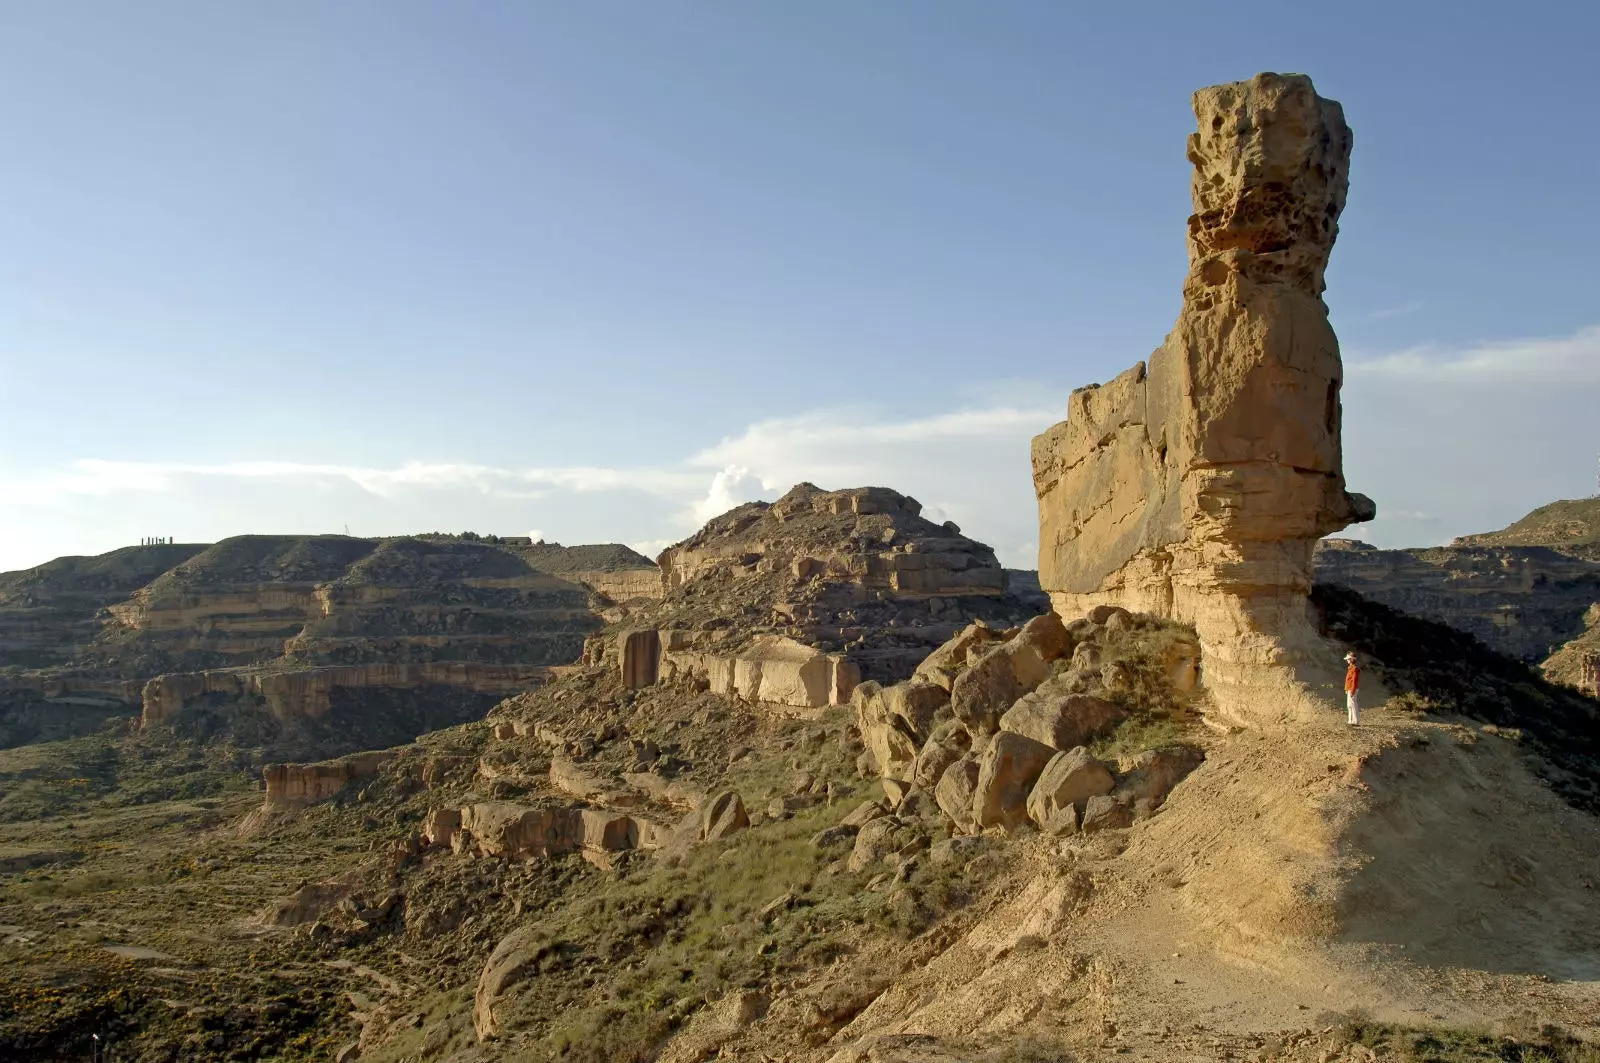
1194 486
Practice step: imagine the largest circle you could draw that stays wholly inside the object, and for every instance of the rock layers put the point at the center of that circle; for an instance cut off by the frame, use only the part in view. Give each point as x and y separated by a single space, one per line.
1195 485
286 623
793 603
1530 590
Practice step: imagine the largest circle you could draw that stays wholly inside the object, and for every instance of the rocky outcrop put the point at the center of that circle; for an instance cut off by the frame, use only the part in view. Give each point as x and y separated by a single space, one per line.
994 764
511 831
639 657
1524 600
897 551
1589 673
292 786
770 669
1195 485
624 585
305 693
858 572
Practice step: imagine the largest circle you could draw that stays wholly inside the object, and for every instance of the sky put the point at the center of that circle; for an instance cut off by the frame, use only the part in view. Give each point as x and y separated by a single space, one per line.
597 272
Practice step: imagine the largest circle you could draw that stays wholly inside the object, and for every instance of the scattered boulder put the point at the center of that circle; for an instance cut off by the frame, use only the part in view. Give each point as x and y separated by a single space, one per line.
1104 615
883 838
945 663
1105 812
937 754
915 704
1004 673
984 691
891 741
955 790
1151 775
864 813
1063 721
712 1027
1062 822
723 815
1067 782
954 851
1007 770
507 965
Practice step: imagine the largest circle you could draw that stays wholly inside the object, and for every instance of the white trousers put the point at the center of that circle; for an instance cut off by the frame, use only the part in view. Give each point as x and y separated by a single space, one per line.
1352 706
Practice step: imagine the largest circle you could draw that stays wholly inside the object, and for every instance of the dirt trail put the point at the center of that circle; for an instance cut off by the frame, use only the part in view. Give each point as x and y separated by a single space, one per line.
1415 872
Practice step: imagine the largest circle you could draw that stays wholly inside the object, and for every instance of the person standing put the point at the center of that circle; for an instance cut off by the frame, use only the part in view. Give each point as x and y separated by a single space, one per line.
1352 688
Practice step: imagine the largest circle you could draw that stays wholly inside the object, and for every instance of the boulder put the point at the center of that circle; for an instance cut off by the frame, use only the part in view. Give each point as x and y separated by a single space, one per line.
1007 770
864 813
1062 822
441 826
722 816
1104 615
1045 639
1105 813
1063 721
984 691
512 960
915 703
936 755
890 740
882 838
949 660
955 790
1151 775
1068 781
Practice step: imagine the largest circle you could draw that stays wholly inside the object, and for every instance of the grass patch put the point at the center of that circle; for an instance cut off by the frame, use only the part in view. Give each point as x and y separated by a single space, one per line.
1412 1045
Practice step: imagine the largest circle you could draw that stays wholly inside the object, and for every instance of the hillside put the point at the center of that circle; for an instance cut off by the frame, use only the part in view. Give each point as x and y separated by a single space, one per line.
1571 524
828 785
1531 590
259 634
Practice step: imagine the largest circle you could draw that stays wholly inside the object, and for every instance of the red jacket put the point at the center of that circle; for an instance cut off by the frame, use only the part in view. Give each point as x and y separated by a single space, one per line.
1352 678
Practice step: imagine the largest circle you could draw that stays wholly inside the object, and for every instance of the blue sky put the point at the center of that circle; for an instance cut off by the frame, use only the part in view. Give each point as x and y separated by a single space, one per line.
598 269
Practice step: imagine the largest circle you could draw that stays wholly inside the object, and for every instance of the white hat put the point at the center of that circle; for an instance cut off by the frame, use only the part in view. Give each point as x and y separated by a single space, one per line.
1350 656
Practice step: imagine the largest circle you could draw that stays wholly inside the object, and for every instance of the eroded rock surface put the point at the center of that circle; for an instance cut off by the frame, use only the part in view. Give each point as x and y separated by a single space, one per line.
1196 484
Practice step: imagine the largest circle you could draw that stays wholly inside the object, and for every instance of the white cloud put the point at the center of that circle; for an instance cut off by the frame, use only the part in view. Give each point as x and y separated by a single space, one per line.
1574 358
1394 311
1439 460
967 465
96 476
731 486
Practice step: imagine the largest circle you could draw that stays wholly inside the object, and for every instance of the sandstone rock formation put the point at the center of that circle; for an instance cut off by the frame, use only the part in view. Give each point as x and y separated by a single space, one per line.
281 624
1530 591
1025 758
793 603
305 693
297 785
1524 600
1196 485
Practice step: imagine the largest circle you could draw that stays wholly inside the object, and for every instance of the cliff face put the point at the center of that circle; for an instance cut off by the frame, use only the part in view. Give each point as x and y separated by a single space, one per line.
1196 485
50 615
303 694
794 602
1525 601
281 623
868 536
1530 590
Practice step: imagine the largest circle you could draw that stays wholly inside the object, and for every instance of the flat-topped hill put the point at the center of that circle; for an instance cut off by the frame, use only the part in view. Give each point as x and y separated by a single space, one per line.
1530 590
1567 524
857 571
